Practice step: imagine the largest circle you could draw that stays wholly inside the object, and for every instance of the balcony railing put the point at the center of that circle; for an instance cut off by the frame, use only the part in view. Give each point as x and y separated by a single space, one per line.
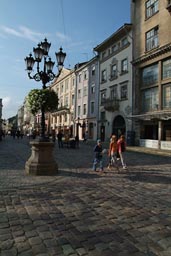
110 105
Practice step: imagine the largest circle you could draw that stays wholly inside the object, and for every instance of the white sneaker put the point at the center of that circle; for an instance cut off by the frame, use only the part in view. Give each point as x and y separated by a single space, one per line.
124 167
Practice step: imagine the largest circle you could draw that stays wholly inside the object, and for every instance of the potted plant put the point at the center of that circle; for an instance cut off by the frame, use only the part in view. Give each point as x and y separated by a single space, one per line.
41 161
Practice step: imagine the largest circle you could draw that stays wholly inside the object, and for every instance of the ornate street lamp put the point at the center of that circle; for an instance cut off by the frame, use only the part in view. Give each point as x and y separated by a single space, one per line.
46 74
41 161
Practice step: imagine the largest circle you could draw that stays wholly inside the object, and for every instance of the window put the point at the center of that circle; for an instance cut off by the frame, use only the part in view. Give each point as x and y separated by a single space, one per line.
84 109
85 75
93 71
79 93
115 47
150 75
124 66
85 91
124 92
114 71
103 96
93 89
103 55
61 102
92 108
66 85
151 7
73 81
124 41
166 69
79 110
167 96
66 101
104 76
73 99
113 92
103 116
79 78
150 99
65 117
62 88
152 39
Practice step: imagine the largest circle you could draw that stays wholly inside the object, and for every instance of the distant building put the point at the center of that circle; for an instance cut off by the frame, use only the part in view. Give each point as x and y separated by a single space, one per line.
63 117
87 99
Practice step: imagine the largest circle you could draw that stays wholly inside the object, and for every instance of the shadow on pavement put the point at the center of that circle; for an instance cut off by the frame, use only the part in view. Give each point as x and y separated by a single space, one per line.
73 173
152 176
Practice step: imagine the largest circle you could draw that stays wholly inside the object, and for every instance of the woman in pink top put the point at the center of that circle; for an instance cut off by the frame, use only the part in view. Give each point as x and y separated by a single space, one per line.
121 149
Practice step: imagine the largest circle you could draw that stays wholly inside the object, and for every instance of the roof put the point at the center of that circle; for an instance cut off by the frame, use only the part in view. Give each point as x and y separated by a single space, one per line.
122 31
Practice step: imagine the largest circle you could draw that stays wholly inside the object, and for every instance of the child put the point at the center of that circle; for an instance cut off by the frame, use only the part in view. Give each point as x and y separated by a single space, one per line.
98 156
113 148
121 149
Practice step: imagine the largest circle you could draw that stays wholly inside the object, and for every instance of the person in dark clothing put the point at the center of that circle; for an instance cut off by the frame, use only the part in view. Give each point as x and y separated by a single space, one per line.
77 141
98 158
60 136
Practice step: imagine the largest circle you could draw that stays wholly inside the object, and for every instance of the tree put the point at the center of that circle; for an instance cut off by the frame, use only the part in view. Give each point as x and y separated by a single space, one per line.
38 98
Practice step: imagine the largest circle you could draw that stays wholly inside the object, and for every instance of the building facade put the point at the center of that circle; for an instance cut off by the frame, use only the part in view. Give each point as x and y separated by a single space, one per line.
115 74
86 99
63 118
152 72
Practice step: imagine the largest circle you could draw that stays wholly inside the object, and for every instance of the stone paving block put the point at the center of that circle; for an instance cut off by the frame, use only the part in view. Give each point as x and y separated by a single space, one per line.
22 246
67 249
6 245
50 243
11 252
39 249
34 240
101 246
5 237
165 243
81 251
26 253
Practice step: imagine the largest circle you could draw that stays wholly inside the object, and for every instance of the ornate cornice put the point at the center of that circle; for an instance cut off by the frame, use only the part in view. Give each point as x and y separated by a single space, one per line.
159 51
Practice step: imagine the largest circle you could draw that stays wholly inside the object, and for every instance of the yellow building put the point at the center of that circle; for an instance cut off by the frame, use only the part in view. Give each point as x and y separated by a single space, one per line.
152 72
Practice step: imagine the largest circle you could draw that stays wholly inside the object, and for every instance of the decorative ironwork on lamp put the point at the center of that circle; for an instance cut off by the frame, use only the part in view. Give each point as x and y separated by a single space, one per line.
46 74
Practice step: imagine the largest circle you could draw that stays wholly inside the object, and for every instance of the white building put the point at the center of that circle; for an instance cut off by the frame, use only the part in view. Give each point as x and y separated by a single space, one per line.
115 101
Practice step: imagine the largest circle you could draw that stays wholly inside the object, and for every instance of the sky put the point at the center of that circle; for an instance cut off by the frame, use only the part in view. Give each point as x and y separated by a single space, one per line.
76 25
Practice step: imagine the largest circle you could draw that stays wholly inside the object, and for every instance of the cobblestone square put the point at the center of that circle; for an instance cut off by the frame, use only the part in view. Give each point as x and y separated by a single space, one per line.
80 212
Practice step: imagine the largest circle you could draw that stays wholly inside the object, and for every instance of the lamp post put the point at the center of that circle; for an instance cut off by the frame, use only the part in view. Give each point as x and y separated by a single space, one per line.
46 74
41 161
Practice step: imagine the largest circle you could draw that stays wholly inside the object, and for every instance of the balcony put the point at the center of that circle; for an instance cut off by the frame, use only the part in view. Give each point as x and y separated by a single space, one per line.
110 105
62 110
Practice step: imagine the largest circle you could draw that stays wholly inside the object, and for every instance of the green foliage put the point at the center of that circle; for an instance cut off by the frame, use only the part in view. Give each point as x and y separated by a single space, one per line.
42 97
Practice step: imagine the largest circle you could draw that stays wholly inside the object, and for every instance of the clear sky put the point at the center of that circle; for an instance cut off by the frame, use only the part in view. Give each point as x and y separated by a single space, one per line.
76 25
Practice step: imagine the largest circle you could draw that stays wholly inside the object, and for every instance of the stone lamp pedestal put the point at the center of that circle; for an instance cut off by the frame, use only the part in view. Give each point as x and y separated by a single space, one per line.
41 161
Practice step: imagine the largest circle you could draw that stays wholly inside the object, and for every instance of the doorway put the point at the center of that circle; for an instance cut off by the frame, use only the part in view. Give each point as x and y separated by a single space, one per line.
119 126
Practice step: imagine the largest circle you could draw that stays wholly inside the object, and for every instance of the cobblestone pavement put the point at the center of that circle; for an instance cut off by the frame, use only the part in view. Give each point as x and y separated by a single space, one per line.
79 212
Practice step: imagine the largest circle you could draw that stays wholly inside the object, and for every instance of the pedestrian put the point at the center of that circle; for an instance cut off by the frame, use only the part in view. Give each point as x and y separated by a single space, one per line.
113 149
86 137
77 141
60 136
98 158
121 149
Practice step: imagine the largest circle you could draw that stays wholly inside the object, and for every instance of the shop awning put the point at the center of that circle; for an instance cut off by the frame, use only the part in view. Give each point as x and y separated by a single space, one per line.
158 115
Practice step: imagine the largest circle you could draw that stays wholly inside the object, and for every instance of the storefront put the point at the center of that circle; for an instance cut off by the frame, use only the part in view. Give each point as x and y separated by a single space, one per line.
155 130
